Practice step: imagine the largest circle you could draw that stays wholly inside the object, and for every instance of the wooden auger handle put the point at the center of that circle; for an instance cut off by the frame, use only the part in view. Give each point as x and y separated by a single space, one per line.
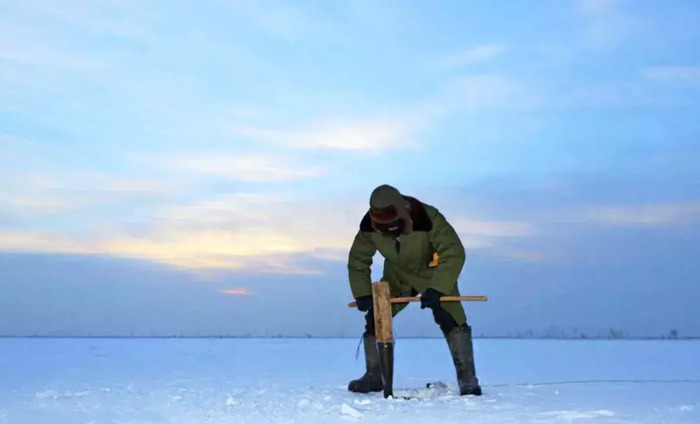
353 304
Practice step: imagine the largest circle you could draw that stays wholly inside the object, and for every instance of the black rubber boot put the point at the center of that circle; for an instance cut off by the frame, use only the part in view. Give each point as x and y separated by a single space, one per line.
372 380
459 340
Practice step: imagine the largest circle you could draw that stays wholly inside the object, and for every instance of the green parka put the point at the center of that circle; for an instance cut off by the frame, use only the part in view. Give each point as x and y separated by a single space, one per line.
407 259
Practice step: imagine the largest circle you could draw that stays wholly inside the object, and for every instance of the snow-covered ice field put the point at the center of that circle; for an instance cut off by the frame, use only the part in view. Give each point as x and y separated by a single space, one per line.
64 381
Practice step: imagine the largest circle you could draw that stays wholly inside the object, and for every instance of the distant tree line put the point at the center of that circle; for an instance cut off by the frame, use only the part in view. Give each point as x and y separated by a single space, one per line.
611 333
551 332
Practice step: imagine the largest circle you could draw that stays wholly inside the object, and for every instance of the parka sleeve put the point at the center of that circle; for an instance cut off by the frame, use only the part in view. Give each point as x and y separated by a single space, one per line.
359 265
451 255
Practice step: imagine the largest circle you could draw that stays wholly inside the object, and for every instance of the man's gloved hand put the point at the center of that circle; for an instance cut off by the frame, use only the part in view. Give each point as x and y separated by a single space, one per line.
430 299
364 303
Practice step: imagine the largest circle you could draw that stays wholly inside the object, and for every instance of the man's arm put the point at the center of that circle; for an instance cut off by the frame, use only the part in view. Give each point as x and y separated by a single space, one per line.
450 252
359 265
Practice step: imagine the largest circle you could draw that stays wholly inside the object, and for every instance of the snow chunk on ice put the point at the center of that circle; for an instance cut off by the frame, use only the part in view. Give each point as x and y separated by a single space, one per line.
576 415
433 390
348 410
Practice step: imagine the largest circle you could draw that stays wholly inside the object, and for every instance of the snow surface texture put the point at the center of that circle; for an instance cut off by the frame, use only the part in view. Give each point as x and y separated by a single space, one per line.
304 381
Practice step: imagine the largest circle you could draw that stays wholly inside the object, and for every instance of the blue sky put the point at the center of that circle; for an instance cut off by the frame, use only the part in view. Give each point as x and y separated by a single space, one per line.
218 157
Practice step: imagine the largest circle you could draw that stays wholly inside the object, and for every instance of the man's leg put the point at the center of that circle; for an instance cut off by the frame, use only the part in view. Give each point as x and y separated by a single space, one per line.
453 323
371 381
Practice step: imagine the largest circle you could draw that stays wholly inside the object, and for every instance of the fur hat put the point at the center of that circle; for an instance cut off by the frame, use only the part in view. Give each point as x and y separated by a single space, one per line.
387 204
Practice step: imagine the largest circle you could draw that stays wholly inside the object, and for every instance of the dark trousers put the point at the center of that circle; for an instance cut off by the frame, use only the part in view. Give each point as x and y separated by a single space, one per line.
442 318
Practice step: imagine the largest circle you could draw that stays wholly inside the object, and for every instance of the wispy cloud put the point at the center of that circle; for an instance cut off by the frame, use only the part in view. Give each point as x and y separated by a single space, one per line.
274 223
238 291
11 147
471 56
595 7
486 91
276 18
493 236
673 74
336 134
496 92
41 39
41 242
481 92
207 248
606 25
243 167
477 92
27 52
493 228
26 195
241 208
256 250
401 128
261 233
330 254
248 112
106 17
528 256
667 214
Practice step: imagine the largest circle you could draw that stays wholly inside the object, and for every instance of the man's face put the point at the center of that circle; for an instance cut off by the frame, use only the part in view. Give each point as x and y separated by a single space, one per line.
386 220
394 227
